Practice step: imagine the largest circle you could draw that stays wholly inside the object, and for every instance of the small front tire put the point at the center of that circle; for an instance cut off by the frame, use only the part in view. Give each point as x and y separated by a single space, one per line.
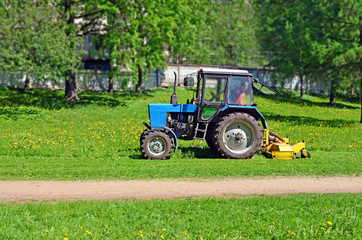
155 144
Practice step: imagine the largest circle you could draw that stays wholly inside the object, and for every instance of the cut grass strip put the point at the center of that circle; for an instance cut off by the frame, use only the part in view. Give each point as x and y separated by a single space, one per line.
179 166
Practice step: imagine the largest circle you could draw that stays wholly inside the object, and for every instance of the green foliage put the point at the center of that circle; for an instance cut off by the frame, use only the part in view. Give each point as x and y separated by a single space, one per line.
226 35
33 40
315 39
331 216
189 23
137 32
43 136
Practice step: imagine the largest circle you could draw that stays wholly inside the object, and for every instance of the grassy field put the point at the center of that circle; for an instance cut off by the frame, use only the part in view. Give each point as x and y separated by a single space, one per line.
277 217
44 137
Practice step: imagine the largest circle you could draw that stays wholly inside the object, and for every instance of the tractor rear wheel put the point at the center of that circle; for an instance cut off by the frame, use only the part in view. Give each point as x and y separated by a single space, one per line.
209 136
155 144
237 135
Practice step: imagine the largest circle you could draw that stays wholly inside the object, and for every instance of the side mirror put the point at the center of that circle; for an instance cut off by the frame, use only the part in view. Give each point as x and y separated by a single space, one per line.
188 81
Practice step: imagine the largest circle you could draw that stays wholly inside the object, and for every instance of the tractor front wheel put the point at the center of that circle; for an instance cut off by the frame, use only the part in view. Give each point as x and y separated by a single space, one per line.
155 144
237 135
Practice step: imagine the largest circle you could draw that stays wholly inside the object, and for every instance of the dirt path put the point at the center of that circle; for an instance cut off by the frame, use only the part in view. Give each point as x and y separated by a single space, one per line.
29 191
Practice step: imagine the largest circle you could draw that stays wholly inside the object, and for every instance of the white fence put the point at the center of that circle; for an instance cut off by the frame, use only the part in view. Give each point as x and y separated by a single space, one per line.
91 80
166 78
88 80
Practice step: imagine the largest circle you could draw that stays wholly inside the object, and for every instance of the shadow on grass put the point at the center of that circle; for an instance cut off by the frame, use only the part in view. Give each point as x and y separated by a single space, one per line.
284 96
205 152
308 121
138 156
184 152
17 103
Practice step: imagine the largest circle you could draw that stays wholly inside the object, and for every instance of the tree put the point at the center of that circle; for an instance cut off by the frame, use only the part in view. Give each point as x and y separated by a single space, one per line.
137 33
82 17
227 36
286 38
337 42
313 38
33 41
189 22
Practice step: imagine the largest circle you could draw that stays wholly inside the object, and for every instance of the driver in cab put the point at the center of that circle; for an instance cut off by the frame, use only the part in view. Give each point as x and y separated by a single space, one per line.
237 92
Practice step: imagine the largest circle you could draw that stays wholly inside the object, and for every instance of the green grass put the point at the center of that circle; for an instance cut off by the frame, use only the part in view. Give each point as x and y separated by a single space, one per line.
330 216
179 166
43 136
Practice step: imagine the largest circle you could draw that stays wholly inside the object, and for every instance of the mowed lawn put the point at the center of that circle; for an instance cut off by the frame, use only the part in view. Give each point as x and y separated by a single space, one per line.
330 216
44 137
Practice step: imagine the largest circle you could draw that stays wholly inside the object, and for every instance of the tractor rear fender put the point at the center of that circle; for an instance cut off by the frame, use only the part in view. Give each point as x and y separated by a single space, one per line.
252 111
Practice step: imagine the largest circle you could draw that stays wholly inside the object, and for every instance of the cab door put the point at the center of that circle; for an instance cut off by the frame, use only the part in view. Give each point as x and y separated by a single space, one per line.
212 97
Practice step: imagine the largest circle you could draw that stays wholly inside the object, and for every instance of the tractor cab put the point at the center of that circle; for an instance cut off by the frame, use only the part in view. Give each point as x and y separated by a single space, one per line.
217 89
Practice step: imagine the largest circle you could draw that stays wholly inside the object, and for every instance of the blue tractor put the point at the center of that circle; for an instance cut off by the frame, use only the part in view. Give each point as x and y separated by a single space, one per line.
222 113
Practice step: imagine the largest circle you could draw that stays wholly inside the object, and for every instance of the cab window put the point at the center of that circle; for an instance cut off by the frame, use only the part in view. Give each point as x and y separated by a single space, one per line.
239 90
214 89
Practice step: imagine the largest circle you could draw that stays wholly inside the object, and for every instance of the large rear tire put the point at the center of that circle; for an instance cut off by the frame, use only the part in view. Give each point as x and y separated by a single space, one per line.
209 136
155 144
238 135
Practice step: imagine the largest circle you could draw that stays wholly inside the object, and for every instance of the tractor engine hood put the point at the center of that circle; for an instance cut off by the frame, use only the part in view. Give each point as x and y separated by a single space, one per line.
158 112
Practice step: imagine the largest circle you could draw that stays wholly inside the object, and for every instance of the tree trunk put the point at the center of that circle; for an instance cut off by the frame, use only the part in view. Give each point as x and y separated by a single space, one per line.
352 86
110 82
139 83
361 91
71 87
360 66
27 81
301 85
332 97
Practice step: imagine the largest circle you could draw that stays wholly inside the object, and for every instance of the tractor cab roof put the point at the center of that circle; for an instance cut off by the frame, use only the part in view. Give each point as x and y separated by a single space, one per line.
224 71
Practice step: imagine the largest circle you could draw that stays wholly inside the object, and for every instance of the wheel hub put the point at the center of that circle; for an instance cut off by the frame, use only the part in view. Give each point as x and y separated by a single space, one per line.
238 136
157 145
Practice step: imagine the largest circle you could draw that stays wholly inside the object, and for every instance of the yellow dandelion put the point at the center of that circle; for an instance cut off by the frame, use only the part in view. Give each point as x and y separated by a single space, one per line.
162 237
329 223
